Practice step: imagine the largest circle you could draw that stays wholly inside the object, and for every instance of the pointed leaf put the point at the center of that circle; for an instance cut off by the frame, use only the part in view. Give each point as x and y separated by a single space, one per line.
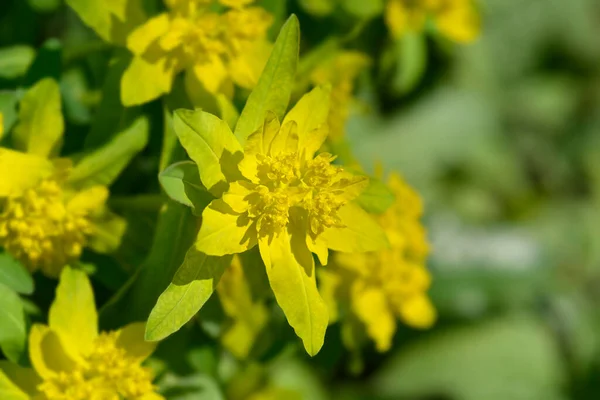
14 275
13 336
41 124
274 88
103 166
210 143
15 60
191 287
181 182
376 198
73 313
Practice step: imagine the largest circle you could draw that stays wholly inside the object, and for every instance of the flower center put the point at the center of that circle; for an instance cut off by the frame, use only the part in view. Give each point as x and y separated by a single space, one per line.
38 229
108 372
285 183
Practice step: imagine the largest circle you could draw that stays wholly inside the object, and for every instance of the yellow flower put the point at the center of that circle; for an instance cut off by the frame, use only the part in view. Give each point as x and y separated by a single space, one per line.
44 223
283 198
390 283
215 50
456 19
72 361
340 71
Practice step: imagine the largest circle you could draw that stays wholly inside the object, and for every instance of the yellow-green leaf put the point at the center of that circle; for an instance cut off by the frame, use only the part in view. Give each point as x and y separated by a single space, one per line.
274 88
131 339
210 143
181 182
10 391
41 125
361 233
376 198
103 166
73 313
291 271
191 287
146 80
31 170
24 378
223 231
13 334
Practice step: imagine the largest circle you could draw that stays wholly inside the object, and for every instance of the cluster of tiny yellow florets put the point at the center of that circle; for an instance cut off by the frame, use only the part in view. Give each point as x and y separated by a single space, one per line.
106 373
197 31
38 229
285 182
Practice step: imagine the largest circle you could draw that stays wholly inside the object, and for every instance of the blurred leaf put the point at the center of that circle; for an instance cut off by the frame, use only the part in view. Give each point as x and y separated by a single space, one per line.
47 63
103 166
274 88
181 182
109 229
9 390
228 112
319 8
362 8
510 358
376 198
44 5
13 335
76 96
14 275
15 61
41 125
195 387
408 59
8 109
192 285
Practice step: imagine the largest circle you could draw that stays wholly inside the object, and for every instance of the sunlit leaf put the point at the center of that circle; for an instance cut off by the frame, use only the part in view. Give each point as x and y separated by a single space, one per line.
15 60
181 182
13 335
14 275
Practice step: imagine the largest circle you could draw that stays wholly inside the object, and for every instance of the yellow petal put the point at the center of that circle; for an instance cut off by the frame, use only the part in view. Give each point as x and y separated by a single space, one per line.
73 313
291 271
286 140
371 307
131 339
88 200
24 378
418 312
319 248
260 141
141 38
311 113
223 231
401 19
237 196
31 169
46 352
213 75
41 123
459 22
361 233
147 78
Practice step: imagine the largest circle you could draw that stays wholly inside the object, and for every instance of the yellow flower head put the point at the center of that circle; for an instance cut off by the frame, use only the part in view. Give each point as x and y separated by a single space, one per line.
215 49
276 193
73 361
456 19
44 223
340 71
382 285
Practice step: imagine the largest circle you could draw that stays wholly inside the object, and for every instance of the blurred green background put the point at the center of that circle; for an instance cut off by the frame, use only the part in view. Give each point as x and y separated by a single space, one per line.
502 139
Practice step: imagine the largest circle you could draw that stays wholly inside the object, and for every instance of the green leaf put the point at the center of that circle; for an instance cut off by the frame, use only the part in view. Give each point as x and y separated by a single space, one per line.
476 362
411 57
192 286
376 198
41 125
103 166
274 88
10 391
112 21
8 109
15 61
181 182
13 335
44 5
14 275
227 111
362 8
194 387
319 8
211 145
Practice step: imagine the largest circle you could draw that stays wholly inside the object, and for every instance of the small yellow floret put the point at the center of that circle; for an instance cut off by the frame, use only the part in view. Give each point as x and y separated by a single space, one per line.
40 229
107 370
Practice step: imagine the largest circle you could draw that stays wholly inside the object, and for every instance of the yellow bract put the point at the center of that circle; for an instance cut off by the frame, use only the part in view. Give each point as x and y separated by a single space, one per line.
72 360
43 223
340 71
387 284
216 50
456 19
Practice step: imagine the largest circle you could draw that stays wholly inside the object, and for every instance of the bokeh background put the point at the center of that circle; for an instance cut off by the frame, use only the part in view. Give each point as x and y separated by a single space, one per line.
502 139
